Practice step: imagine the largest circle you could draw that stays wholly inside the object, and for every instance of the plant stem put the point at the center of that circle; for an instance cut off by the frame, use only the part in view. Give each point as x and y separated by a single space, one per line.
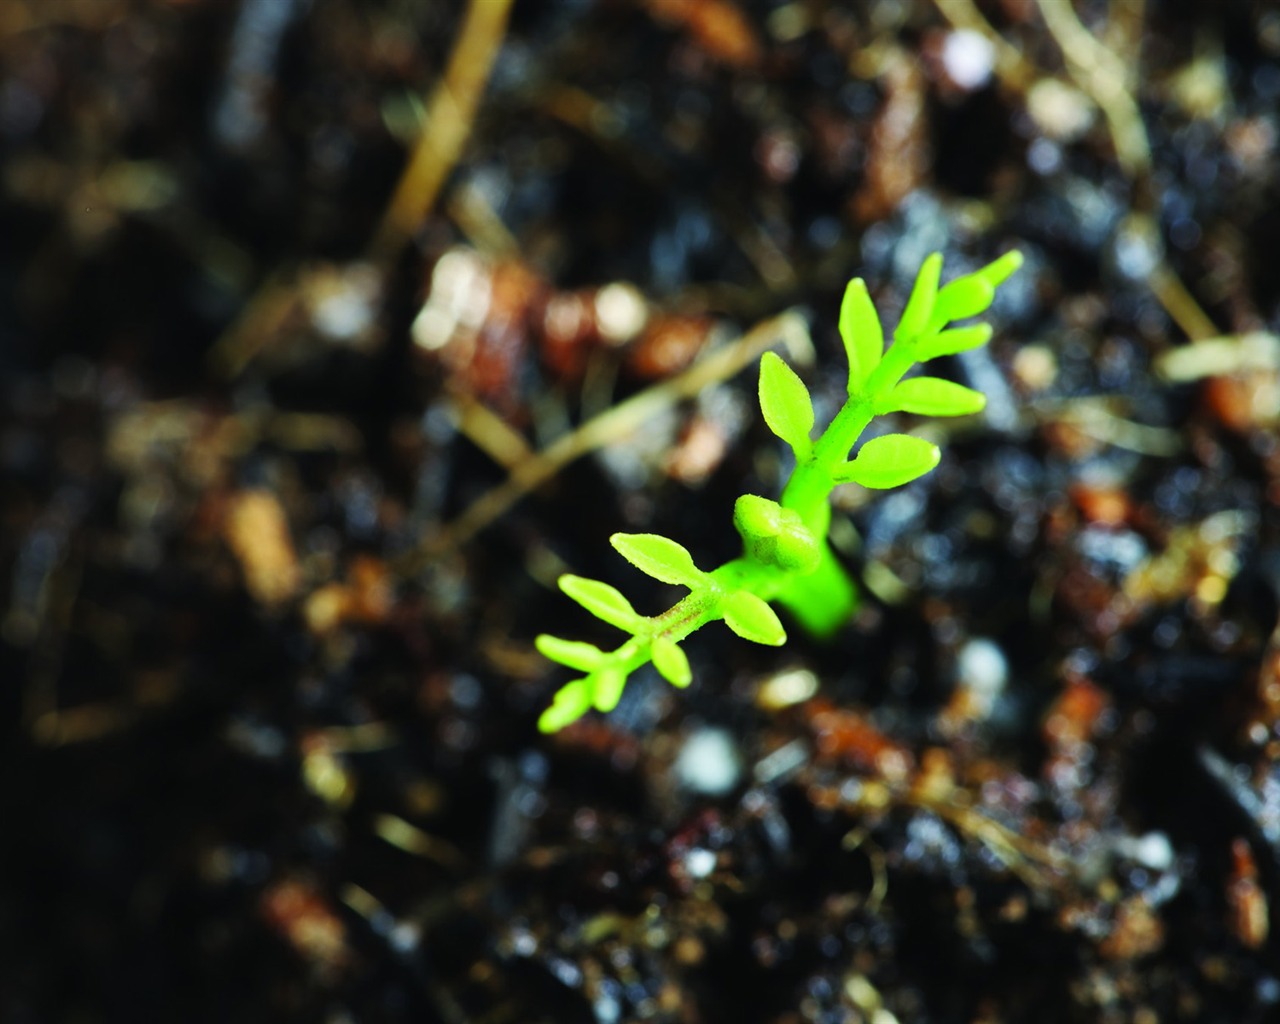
811 484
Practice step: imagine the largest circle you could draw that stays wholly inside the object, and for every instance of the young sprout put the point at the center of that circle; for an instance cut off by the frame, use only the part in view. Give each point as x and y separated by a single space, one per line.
786 558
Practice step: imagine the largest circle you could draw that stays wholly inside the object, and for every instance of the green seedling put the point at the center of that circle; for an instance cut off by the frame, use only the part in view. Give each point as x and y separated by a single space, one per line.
786 558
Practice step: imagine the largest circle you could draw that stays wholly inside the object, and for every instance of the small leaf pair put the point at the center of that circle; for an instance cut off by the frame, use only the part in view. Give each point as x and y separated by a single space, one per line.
929 309
570 703
656 556
601 690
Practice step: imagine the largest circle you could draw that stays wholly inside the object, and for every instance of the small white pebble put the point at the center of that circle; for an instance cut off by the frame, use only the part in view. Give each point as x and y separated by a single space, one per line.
709 763
1136 250
969 58
620 312
1152 850
461 290
982 670
1036 367
347 307
794 686
1063 113
1044 156
405 937
699 862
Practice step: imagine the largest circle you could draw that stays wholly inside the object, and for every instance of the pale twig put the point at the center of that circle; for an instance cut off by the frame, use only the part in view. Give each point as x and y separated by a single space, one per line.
1123 34
450 111
1102 75
1217 357
262 317
1179 303
490 432
1094 418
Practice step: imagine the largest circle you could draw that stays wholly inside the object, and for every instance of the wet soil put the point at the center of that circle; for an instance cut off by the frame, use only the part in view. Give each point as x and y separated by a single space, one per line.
268 690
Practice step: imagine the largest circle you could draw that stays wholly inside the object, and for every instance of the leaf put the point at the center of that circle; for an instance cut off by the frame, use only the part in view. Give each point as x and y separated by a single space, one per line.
659 557
602 601
785 402
932 396
861 332
963 297
949 343
573 653
570 704
920 306
671 662
608 688
998 271
752 619
891 461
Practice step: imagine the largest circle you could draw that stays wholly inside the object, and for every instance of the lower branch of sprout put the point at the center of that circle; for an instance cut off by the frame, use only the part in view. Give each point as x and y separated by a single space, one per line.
701 607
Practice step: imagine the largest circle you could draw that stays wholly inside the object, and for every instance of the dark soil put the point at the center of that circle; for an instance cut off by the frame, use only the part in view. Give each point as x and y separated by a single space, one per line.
268 690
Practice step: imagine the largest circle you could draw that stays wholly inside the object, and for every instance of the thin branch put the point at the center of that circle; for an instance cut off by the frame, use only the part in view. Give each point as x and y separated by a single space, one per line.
450 111
1102 75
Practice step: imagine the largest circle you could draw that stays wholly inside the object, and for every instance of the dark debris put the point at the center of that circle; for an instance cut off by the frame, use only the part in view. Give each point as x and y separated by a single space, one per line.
259 764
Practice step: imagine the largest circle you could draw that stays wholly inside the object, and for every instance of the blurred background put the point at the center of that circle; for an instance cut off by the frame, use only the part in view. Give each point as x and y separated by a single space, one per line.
315 321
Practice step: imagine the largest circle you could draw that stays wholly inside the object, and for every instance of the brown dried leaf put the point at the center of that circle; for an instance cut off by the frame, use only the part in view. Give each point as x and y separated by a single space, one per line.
719 27
257 532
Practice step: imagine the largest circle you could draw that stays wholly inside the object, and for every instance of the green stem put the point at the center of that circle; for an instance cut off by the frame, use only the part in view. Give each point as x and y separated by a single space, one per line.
701 607
810 486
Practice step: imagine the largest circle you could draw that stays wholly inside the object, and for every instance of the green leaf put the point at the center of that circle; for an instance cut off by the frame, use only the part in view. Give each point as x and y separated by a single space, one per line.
602 601
671 662
861 332
785 402
963 297
998 271
891 461
920 306
659 557
949 343
573 653
570 704
608 684
932 396
752 619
